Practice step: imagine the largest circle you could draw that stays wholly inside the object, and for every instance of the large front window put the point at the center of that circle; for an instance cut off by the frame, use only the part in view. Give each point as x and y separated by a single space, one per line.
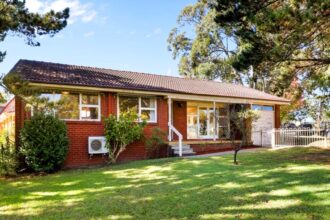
205 122
70 106
144 107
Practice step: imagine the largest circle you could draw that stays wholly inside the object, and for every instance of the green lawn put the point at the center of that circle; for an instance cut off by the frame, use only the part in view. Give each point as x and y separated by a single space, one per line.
283 184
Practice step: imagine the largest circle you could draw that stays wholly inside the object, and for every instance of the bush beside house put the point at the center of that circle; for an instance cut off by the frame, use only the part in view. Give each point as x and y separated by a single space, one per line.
44 143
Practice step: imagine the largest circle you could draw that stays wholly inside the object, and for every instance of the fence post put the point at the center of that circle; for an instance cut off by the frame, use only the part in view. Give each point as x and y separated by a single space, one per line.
273 138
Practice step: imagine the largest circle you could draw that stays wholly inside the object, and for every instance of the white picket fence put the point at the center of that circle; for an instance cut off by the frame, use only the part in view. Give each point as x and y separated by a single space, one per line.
299 137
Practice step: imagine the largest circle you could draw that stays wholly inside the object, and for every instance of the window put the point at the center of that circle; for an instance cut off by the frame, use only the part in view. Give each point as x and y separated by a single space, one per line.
223 122
192 118
70 106
90 108
144 107
262 108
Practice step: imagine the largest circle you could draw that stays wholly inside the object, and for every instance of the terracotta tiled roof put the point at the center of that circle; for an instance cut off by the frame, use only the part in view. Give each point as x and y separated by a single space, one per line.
53 73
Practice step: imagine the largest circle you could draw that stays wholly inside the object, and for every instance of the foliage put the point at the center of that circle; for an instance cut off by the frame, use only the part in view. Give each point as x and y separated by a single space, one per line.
8 157
44 143
155 141
121 132
241 118
267 45
16 19
287 184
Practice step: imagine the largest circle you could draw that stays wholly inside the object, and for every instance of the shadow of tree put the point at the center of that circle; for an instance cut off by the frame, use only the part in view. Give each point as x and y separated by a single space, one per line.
267 185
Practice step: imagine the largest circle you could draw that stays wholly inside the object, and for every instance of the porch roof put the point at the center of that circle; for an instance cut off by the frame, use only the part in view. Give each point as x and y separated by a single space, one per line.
62 74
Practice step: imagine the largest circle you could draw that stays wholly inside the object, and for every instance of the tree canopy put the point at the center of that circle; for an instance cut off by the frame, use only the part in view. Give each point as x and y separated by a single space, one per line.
277 46
16 19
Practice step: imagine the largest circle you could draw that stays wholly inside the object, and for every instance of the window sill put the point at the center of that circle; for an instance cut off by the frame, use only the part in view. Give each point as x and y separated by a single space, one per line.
82 122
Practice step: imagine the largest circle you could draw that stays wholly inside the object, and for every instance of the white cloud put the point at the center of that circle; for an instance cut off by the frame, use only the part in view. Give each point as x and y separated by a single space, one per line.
156 31
34 5
78 11
89 34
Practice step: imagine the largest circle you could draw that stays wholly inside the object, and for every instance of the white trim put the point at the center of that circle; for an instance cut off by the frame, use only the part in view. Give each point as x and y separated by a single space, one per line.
80 106
173 96
140 109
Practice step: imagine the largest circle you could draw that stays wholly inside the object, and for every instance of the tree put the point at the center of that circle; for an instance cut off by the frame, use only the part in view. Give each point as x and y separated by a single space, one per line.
121 132
277 31
264 44
16 19
241 119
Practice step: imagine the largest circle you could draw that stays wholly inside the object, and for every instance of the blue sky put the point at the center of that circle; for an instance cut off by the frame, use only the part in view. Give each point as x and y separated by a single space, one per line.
118 34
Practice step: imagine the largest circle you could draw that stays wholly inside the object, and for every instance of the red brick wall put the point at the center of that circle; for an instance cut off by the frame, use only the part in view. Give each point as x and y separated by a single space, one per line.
79 131
180 118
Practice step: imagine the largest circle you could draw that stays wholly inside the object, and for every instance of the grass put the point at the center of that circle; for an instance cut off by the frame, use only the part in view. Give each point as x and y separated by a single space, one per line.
284 184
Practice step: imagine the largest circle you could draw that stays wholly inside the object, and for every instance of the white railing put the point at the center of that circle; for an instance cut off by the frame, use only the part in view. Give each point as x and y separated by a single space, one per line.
299 137
173 129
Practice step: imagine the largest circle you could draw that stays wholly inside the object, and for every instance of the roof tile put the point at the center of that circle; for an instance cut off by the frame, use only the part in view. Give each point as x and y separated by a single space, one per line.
53 73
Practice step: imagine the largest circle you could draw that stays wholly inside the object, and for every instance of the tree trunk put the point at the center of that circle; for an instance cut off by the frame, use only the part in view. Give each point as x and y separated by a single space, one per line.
235 157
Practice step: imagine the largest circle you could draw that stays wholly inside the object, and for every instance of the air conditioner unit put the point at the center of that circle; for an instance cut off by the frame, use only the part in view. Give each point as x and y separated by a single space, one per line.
96 145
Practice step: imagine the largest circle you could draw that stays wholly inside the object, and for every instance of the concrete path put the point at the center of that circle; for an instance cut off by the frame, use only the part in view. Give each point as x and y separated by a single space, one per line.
228 152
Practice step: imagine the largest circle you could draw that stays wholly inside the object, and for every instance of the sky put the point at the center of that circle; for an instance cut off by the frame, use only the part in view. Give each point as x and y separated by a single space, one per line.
117 34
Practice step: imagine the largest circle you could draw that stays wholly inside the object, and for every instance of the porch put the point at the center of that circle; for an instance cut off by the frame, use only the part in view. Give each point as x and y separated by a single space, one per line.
198 124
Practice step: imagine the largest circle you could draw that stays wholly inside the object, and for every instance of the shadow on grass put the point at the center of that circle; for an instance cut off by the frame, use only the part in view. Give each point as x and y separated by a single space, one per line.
283 184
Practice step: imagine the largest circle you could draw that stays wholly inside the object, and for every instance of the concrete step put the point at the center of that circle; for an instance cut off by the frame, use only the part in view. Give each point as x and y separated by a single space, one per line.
186 151
184 147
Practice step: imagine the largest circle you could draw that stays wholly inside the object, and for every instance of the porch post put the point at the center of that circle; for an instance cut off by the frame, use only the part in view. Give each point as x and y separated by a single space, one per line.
214 122
169 103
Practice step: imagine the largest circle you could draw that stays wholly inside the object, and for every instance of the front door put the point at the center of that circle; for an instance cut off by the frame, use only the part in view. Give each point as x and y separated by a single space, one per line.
206 122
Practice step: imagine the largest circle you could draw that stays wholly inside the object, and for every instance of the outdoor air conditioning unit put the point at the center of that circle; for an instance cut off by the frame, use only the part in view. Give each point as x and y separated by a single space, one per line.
96 145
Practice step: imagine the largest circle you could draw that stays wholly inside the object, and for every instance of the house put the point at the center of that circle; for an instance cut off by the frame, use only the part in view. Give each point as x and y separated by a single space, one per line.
7 119
192 112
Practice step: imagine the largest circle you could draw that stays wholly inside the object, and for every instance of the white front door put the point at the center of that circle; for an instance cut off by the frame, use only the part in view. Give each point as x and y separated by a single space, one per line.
206 124
261 135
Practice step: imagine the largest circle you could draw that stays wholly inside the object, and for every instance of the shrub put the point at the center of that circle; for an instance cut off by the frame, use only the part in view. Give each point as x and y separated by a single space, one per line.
44 143
8 157
121 132
155 142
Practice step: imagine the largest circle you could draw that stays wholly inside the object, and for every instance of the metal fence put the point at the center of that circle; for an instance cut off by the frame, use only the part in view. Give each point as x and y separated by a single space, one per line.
299 137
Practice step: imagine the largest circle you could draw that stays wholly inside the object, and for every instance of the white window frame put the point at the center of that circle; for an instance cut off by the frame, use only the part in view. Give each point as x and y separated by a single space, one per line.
80 108
140 108
98 106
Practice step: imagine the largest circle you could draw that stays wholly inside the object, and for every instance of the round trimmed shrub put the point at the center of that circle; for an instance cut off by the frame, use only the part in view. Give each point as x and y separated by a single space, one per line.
44 143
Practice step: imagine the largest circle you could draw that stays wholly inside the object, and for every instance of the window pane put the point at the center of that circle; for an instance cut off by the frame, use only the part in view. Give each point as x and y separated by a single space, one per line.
268 108
223 132
148 115
127 104
223 111
67 105
256 107
147 103
89 113
223 122
44 103
90 100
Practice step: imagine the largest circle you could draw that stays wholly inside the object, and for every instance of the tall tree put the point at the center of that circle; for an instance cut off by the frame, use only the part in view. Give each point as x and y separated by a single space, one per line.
16 19
265 44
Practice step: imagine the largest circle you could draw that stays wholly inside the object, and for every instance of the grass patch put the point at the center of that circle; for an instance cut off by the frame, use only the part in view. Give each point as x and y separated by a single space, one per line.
284 184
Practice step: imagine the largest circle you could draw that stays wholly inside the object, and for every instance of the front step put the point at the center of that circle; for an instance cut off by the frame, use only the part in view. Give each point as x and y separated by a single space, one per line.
186 149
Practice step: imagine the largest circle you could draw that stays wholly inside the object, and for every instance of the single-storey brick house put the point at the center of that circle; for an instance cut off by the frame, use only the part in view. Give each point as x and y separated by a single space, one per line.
191 110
